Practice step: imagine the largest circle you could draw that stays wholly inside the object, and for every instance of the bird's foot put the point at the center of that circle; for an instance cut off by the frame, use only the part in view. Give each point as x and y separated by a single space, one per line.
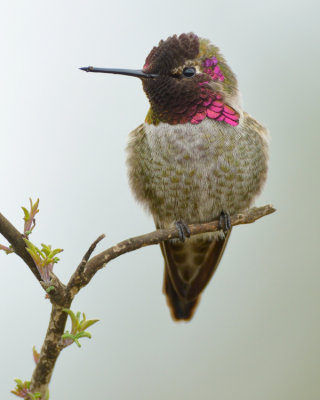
224 222
183 230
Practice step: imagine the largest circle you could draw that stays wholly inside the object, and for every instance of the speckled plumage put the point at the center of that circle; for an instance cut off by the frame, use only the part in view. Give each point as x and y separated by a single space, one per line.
194 172
187 163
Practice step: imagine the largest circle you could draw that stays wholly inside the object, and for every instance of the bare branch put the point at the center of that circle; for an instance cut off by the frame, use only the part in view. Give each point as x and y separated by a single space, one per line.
50 350
160 235
76 278
89 252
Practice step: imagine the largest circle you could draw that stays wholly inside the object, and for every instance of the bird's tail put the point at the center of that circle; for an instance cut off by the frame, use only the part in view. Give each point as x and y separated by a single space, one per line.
180 308
189 267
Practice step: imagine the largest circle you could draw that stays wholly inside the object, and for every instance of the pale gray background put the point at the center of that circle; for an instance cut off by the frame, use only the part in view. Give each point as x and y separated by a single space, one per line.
63 138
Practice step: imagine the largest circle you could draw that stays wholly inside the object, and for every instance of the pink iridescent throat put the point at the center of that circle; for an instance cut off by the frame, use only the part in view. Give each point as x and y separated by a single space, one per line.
216 109
210 106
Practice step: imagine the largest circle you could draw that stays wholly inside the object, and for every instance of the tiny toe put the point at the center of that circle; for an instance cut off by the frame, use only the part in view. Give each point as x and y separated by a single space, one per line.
227 222
224 221
183 230
180 231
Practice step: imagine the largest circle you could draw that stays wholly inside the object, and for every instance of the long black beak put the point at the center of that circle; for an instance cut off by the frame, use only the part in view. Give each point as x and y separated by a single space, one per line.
130 72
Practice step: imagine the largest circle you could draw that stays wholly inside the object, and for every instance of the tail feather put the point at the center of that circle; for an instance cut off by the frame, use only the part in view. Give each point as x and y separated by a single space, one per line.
189 267
180 308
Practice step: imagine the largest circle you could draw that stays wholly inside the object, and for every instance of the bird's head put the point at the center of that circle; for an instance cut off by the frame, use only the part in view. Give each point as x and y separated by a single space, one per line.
186 79
189 74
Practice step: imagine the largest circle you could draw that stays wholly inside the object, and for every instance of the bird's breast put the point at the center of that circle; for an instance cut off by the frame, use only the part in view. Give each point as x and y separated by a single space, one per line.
196 171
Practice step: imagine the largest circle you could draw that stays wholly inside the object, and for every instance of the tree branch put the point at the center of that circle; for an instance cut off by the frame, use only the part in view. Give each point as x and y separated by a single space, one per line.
100 260
76 279
50 350
15 238
62 296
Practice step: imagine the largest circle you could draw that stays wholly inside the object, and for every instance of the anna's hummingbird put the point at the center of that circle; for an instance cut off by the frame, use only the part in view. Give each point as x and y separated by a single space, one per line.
197 157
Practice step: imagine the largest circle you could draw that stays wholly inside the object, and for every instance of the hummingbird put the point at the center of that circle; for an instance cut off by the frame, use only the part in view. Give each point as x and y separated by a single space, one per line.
197 157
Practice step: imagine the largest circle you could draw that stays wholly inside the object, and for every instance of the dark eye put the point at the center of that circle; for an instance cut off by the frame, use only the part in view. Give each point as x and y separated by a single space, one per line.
189 72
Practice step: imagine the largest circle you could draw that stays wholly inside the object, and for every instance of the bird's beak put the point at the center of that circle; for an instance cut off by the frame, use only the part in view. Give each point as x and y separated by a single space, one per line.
130 72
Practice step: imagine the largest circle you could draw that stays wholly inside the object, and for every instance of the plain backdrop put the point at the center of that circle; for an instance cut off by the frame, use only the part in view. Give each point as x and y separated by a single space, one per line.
63 135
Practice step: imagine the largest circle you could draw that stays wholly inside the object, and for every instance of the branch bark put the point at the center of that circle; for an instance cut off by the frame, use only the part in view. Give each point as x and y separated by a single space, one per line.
15 238
87 268
100 260
50 350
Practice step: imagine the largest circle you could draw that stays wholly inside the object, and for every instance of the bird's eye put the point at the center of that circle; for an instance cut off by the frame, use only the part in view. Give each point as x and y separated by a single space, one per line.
189 72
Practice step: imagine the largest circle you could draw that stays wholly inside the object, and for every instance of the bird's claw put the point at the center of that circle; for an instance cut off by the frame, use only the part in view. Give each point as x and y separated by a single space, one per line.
183 230
224 222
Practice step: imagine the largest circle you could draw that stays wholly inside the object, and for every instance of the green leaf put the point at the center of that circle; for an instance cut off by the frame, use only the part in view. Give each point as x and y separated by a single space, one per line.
85 324
46 249
19 382
74 320
22 389
35 256
83 334
78 327
35 205
26 214
54 252
30 245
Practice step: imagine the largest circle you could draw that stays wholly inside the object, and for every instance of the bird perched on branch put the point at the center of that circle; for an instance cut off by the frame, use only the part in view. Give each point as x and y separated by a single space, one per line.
198 156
